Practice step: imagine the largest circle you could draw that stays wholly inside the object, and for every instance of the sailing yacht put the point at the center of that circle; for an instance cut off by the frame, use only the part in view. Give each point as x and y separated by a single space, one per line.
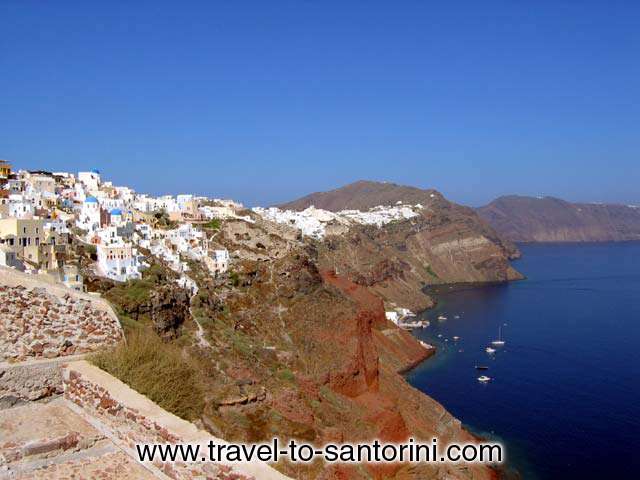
499 342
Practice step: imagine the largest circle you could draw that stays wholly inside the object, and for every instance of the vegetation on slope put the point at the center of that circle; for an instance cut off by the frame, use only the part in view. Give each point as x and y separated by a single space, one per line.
157 370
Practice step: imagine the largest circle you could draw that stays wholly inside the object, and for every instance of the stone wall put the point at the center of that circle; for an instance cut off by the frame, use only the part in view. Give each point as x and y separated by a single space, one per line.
38 320
128 418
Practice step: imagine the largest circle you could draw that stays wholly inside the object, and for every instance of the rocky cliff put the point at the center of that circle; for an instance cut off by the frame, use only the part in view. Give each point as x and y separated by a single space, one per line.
301 352
548 219
446 243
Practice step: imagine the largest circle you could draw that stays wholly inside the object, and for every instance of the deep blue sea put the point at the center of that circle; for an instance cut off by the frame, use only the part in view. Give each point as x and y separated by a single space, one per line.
565 389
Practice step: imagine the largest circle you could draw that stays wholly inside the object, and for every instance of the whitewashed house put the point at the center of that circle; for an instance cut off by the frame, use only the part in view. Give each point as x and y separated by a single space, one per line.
20 206
90 180
89 217
117 259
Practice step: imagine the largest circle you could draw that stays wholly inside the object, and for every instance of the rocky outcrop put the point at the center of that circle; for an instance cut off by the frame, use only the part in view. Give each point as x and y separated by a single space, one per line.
440 246
169 310
548 219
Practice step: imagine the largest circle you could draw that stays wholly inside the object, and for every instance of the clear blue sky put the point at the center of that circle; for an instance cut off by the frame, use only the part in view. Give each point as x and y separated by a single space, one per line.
269 100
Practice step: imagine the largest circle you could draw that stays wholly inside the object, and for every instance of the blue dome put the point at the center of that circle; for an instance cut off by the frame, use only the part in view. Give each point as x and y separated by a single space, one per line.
116 211
95 170
91 200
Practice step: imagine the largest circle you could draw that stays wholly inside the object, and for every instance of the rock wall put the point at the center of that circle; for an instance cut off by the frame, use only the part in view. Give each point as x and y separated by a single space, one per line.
127 418
36 324
39 320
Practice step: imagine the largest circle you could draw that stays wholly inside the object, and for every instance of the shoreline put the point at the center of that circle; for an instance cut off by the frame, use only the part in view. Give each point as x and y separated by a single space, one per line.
433 291
504 471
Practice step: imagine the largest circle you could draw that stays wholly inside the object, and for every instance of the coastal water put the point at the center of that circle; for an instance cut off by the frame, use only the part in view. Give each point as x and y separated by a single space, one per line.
565 389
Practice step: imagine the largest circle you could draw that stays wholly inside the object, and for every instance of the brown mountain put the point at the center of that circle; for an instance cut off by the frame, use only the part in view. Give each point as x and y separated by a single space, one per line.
361 195
548 219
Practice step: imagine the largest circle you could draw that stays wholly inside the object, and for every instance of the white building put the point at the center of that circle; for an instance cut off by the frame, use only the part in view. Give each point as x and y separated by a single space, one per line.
117 259
20 206
116 217
393 316
89 217
90 180
143 235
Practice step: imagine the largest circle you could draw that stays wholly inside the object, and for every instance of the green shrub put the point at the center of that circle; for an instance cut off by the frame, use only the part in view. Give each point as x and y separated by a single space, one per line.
287 375
157 370
213 224
235 278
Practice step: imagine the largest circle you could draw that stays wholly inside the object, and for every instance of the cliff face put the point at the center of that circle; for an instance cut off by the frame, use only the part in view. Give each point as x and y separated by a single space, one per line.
301 352
446 243
528 219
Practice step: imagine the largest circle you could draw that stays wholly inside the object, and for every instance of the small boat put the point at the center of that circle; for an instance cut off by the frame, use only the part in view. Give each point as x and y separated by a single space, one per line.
490 350
482 367
499 342
484 379
456 338
439 335
442 317
456 317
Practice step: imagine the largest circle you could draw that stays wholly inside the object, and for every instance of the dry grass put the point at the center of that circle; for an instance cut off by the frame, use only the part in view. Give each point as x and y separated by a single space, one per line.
157 370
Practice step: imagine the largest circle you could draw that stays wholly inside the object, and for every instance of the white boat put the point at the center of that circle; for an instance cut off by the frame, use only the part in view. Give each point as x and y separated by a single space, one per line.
499 342
442 317
484 379
490 350
456 316
456 338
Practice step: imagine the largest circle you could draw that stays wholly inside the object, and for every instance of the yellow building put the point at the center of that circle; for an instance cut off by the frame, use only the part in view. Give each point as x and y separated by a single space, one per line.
5 168
28 239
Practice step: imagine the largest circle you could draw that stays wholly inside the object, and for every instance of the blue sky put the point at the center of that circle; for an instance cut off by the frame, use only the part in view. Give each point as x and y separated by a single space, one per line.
267 101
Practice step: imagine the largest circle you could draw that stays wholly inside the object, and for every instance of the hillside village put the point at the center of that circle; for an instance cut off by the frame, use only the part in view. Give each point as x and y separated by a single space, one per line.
44 216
